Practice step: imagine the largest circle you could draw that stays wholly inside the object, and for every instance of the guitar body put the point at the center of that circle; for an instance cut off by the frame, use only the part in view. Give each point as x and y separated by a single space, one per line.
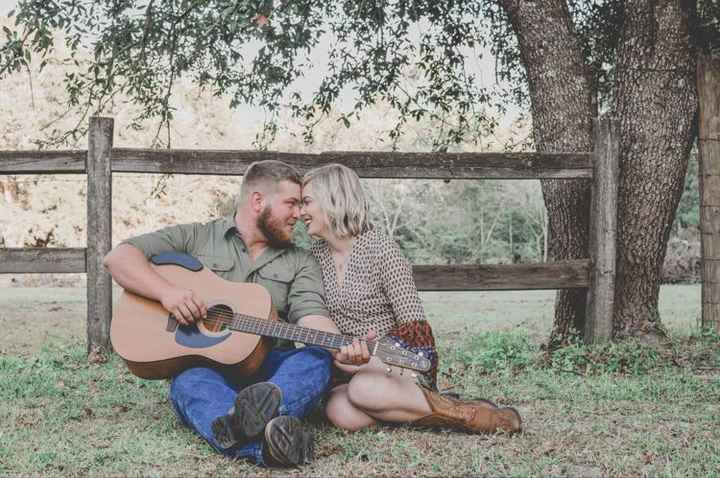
155 346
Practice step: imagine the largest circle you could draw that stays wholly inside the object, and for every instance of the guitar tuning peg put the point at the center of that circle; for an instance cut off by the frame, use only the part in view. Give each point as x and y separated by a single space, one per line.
402 370
388 371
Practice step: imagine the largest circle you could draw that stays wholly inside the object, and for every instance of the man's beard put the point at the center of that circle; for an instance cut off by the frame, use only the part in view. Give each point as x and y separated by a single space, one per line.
273 230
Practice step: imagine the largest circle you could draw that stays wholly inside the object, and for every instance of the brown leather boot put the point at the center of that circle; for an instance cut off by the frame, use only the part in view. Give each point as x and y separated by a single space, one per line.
476 416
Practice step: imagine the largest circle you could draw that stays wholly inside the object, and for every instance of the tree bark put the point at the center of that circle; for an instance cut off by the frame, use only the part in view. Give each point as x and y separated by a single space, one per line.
563 107
656 104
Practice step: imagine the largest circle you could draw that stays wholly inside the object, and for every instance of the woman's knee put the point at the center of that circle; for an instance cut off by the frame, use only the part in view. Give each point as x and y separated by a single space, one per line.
340 415
362 391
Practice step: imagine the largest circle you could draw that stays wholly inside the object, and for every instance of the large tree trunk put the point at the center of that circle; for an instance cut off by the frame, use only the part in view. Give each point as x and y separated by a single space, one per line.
655 103
563 107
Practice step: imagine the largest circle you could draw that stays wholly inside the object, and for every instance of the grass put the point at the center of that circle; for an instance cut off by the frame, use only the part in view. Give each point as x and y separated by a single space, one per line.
621 410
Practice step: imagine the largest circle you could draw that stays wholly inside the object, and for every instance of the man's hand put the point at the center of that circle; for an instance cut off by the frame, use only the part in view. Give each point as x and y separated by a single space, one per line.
129 267
184 304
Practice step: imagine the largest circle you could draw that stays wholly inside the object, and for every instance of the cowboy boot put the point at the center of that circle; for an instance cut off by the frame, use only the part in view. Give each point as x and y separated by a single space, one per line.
476 416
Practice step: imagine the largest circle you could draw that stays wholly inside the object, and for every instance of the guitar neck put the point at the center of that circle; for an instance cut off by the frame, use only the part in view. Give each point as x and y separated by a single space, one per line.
296 333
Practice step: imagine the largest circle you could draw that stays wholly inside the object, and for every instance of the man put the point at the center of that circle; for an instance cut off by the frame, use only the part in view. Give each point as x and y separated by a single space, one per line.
258 418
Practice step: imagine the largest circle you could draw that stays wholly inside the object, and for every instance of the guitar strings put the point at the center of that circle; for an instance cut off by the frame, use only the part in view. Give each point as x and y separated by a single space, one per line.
228 318
329 339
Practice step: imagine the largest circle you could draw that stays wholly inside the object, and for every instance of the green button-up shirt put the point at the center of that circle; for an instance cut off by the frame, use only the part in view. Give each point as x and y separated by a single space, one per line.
292 276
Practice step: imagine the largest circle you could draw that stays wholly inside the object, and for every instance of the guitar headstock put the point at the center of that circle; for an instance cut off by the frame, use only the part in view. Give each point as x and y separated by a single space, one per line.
393 353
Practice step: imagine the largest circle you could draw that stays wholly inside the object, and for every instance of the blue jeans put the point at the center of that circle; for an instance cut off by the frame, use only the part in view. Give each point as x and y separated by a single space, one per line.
200 395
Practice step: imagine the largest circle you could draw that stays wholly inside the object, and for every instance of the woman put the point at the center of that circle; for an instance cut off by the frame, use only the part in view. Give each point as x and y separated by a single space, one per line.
370 291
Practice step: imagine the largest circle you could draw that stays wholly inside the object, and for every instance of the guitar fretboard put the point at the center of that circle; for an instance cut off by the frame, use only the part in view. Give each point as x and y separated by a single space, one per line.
296 333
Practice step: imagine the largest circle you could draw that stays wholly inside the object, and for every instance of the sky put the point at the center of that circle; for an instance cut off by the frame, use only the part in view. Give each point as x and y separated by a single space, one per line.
6 6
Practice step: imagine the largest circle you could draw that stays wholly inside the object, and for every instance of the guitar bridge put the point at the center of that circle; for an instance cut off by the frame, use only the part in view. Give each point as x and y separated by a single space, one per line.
171 324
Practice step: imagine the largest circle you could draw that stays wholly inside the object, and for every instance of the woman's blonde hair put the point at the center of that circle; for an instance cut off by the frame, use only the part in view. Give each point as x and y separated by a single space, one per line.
340 195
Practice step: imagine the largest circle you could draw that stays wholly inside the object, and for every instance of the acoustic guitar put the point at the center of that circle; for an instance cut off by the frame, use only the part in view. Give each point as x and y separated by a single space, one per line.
236 335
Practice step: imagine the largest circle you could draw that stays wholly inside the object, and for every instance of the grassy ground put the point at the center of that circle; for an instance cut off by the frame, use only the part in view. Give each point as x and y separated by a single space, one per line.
612 411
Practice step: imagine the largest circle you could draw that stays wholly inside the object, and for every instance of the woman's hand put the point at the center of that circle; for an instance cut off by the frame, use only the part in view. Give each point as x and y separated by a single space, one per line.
353 356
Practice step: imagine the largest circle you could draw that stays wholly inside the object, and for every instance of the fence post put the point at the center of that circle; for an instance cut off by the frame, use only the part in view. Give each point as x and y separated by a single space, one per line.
603 230
708 78
99 234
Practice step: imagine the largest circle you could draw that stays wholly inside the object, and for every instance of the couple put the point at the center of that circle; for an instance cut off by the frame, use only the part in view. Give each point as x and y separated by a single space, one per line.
354 282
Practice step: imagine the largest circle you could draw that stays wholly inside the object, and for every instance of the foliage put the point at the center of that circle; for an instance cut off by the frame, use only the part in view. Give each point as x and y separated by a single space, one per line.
628 357
700 349
511 352
688 212
634 357
417 56
494 352
462 222
257 51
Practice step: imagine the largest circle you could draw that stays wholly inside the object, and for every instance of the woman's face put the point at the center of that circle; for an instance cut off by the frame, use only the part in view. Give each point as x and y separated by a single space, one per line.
313 215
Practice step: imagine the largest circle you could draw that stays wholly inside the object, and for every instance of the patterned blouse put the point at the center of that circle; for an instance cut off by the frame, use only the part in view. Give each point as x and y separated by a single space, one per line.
378 292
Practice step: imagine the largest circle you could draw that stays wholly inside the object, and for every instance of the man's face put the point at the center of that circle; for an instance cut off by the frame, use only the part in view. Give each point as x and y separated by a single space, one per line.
281 213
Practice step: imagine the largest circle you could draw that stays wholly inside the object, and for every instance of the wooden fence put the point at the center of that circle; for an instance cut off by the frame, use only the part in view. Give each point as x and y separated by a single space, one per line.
708 84
596 274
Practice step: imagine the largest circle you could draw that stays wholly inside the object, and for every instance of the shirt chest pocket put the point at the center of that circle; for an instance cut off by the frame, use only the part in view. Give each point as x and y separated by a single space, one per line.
277 280
218 264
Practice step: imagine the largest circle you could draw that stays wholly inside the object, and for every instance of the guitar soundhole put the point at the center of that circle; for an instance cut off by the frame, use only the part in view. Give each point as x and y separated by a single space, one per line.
218 318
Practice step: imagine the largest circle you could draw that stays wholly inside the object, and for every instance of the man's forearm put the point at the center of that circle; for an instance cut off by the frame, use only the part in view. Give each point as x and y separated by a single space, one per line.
319 322
129 267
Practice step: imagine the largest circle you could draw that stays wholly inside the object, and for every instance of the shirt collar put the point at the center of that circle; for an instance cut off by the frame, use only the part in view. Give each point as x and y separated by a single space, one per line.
228 224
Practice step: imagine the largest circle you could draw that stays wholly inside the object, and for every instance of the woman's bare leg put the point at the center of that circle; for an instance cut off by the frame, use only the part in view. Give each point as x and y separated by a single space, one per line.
390 398
344 414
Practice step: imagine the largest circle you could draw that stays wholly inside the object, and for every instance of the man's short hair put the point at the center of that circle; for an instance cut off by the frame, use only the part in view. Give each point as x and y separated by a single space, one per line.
267 174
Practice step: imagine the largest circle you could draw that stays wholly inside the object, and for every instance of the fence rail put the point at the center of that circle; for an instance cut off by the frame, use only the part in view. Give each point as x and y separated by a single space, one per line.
596 274
552 275
366 164
55 260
